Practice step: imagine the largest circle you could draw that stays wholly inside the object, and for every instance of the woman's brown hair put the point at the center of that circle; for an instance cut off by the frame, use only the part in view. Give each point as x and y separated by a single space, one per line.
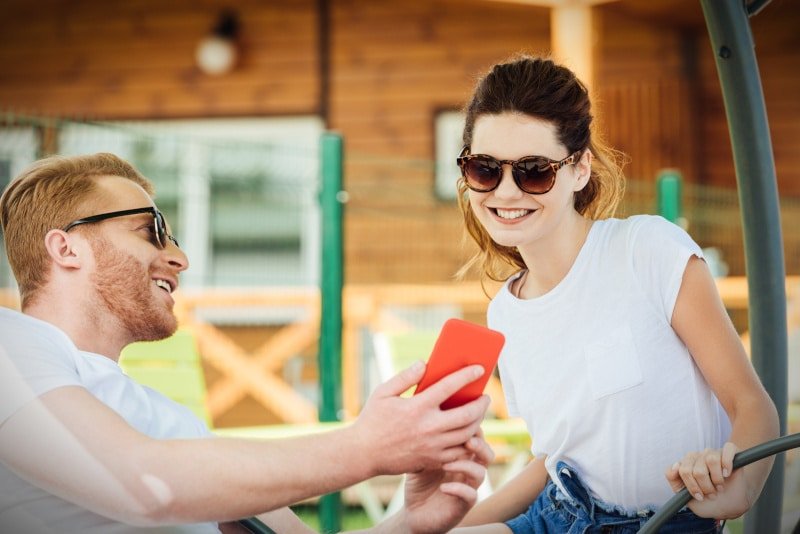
540 88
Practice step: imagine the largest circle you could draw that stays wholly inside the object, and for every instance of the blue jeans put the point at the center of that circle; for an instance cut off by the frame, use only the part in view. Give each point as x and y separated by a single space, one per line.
578 512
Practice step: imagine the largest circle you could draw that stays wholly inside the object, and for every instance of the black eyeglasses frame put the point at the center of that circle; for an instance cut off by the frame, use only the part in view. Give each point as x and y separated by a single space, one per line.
159 223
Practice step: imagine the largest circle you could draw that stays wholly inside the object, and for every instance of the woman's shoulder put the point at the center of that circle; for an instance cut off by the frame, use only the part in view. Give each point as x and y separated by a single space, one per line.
643 227
634 222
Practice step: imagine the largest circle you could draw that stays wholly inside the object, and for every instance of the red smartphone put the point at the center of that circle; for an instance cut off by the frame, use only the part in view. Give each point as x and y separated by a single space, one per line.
461 343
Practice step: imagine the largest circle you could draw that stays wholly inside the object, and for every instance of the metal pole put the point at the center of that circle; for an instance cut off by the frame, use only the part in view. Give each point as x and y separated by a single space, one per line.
733 47
331 281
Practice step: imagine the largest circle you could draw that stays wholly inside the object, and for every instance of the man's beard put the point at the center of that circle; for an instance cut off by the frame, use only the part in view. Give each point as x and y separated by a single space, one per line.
125 287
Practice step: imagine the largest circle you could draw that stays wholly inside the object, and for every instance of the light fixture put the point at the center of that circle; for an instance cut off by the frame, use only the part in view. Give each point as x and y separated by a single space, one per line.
217 52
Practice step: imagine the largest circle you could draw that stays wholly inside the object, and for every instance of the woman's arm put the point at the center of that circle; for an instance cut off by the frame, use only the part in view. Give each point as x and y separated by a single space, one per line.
700 319
512 499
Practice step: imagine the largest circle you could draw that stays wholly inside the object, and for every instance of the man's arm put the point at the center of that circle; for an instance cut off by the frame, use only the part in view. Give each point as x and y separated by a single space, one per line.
435 499
74 446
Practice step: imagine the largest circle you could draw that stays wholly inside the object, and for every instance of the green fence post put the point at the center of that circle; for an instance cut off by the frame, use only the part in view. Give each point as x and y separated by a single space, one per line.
668 194
331 281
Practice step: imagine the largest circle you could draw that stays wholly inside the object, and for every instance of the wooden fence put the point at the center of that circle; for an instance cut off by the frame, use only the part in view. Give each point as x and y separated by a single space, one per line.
258 372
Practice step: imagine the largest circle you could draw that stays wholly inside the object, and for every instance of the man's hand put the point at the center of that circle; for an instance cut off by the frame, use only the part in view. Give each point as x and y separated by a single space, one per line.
437 499
405 435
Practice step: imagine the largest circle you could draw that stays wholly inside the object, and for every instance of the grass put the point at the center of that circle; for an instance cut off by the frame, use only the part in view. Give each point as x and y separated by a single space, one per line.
734 526
353 517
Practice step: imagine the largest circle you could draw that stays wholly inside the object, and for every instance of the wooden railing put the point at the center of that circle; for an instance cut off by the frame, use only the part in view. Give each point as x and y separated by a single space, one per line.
366 308
255 372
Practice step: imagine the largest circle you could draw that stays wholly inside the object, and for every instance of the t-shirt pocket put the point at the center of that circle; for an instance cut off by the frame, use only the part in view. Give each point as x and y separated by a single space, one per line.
612 363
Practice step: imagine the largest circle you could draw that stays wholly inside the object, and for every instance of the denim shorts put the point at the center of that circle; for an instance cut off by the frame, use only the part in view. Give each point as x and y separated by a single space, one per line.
577 512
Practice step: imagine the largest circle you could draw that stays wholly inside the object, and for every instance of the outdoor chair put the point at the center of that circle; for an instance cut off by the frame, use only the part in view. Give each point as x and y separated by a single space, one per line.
172 367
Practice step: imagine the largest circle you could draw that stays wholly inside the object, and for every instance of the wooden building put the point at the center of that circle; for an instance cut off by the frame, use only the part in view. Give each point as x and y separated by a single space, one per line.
380 72
383 73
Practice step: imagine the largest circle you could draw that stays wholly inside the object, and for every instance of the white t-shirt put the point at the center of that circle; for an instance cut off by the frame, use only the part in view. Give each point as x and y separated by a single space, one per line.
597 372
44 358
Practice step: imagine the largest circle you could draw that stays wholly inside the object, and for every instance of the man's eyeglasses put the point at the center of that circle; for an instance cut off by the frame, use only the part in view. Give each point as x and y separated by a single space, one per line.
159 224
533 174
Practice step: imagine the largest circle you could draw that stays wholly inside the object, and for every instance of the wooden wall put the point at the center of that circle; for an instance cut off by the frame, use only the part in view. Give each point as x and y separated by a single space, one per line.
419 60
660 81
777 41
644 92
660 102
393 65
135 59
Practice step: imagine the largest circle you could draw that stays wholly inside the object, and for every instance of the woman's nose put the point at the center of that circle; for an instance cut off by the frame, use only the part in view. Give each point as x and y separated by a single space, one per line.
507 188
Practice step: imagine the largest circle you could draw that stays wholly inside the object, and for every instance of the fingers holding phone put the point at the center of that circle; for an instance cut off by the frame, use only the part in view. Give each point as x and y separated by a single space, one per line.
461 344
462 347
431 428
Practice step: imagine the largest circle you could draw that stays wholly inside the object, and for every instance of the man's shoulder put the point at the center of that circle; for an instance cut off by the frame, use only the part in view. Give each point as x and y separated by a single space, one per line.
13 322
17 327
8 313
10 318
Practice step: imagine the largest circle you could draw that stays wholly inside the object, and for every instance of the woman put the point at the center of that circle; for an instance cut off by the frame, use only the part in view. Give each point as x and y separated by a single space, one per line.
619 354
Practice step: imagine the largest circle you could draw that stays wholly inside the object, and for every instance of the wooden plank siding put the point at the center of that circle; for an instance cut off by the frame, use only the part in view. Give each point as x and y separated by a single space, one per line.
644 95
135 59
392 71
394 64
777 41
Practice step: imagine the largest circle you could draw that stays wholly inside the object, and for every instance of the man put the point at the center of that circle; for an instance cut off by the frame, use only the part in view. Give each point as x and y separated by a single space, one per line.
84 448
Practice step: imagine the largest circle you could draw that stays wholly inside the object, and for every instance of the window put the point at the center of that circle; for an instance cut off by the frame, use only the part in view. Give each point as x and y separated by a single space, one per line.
240 194
19 147
449 127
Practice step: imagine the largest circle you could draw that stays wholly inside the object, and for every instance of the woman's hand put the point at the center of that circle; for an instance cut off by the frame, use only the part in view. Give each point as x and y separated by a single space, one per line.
717 491
437 499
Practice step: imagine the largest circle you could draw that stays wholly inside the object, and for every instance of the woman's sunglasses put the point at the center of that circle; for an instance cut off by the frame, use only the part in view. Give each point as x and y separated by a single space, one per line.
159 225
532 174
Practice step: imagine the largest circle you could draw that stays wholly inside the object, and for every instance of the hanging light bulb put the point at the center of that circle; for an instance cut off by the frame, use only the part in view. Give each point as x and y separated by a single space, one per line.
216 53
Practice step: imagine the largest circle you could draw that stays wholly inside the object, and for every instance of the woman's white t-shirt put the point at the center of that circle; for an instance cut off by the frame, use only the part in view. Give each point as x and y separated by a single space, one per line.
597 372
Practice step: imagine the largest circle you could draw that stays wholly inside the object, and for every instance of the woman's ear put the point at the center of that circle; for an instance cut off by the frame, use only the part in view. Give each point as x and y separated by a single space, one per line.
63 249
584 168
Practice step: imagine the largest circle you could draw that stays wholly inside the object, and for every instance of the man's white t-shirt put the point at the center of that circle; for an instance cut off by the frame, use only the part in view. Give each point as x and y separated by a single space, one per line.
597 372
36 357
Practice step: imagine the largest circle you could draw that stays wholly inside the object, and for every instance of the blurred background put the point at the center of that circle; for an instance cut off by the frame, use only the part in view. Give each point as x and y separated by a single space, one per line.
222 105
144 79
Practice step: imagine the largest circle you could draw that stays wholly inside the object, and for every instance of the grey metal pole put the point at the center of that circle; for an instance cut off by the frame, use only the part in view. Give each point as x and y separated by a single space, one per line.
732 43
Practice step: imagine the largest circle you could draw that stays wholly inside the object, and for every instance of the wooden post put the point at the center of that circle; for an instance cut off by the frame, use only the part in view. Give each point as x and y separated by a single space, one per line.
571 38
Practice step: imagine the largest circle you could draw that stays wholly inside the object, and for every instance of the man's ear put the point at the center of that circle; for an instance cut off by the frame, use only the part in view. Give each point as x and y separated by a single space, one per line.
584 168
65 251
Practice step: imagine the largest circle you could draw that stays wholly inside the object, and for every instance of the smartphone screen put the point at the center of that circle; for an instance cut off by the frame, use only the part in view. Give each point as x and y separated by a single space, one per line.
460 344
